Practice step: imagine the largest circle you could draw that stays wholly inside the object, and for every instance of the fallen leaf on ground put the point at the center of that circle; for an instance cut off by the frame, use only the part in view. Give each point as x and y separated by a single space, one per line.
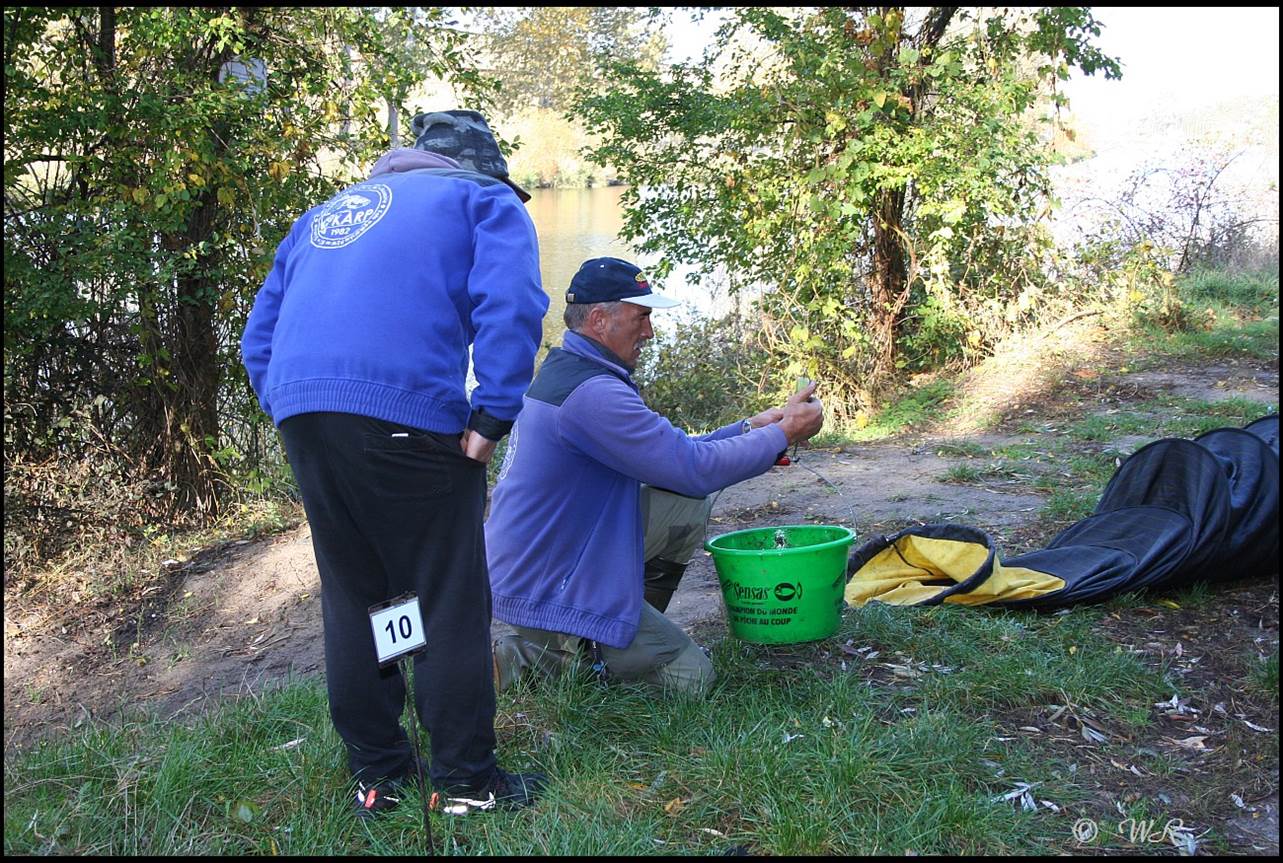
1091 735
1022 793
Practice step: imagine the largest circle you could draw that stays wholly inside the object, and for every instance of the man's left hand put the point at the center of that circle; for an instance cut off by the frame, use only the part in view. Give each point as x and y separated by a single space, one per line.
766 417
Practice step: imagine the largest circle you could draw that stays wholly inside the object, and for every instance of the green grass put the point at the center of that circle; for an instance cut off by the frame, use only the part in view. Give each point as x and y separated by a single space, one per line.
1074 480
1257 339
1258 292
1264 675
1023 451
1173 416
997 470
917 408
962 473
1238 313
1102 428
1190 417
1095 469
1228 338
1078 479
1070 505
800 749
965 449
1196 595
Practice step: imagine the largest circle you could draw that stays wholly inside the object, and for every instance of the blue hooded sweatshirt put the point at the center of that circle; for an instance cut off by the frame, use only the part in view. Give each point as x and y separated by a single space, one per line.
564 539
376 295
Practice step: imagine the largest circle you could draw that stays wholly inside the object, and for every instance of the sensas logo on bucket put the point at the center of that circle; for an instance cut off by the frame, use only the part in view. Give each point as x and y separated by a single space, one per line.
783 592
745 593
786 592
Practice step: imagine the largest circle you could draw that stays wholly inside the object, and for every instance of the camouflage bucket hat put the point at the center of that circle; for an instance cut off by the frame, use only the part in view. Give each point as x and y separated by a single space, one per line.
465 137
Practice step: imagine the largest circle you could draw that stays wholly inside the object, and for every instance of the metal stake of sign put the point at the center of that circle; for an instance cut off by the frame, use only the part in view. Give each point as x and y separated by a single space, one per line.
407 674
398 636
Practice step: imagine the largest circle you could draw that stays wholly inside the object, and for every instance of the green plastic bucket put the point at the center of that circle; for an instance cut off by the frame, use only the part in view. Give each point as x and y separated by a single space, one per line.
782 585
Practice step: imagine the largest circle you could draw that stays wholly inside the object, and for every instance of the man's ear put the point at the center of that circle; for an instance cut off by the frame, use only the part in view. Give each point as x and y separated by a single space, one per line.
597 319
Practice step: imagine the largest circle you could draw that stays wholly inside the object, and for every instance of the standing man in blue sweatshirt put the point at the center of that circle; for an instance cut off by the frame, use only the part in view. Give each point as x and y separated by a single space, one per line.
601 501
357 347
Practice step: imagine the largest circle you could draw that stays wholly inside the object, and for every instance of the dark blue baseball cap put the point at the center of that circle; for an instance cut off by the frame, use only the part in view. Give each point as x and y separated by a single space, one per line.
606 280
465 137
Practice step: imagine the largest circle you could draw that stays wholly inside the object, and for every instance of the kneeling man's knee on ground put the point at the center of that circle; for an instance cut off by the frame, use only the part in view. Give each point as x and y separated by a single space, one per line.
691 672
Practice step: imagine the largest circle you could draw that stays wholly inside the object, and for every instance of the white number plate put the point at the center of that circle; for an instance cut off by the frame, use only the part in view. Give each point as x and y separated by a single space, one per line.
398 628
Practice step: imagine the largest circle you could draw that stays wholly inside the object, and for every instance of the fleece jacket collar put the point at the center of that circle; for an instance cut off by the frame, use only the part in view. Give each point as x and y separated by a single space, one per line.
583 346
409 159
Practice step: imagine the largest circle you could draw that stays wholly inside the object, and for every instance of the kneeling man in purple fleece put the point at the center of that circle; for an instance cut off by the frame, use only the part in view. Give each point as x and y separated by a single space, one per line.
601 502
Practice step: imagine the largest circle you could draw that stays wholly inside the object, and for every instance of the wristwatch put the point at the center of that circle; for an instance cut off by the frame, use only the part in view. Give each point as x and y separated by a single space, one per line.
746 427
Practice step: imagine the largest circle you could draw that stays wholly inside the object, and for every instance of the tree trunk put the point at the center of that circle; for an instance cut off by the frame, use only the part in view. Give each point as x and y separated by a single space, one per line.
106 57
889 280
193 413
185 405
890 275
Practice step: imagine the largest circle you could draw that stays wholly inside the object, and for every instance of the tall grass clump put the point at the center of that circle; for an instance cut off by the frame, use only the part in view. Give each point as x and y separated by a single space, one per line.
1256 292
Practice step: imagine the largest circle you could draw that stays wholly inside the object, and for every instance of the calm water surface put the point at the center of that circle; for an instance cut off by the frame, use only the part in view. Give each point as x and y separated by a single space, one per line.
573 225
577 224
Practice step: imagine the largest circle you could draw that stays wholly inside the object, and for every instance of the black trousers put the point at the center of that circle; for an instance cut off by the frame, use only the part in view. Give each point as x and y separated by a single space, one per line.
390 515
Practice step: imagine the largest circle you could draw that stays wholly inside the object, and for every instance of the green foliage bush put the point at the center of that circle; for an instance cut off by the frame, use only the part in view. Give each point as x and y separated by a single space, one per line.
145 194
707 372
937 336
878 174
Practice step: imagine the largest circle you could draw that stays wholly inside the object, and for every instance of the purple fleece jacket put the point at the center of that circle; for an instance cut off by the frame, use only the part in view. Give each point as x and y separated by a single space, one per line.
564 537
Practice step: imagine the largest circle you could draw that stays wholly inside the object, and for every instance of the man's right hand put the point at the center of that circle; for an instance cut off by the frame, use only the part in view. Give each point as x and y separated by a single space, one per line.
803 415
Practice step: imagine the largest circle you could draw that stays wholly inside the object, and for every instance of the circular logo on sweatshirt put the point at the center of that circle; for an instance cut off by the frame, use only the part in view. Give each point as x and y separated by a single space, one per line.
510 454
350 214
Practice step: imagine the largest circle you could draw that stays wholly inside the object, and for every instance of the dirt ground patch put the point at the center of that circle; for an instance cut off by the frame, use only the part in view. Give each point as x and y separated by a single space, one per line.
235 617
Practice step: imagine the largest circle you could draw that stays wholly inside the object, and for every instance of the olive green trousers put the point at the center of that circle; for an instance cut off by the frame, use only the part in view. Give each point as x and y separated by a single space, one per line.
661 653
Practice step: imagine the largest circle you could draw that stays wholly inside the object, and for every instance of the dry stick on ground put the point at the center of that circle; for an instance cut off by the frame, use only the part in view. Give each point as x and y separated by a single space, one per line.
1070 320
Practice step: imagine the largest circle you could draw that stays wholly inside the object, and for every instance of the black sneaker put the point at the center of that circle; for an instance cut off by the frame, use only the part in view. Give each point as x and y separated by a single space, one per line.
383 796
516 790
504 790
376 799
